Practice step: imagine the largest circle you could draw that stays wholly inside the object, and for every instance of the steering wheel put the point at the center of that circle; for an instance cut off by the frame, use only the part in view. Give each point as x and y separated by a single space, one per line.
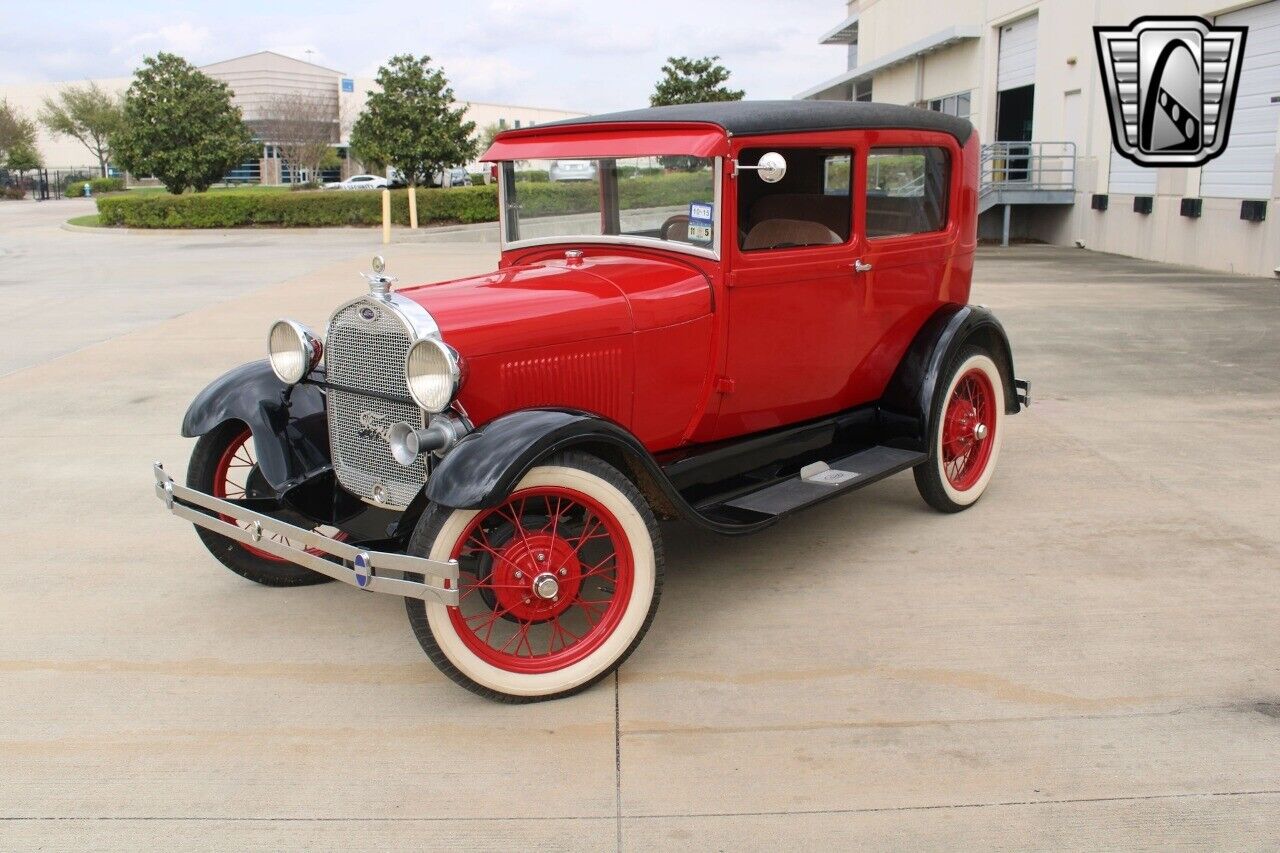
678 219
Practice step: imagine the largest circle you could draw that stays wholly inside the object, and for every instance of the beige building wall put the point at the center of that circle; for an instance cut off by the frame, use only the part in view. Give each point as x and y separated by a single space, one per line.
57 152
1070 106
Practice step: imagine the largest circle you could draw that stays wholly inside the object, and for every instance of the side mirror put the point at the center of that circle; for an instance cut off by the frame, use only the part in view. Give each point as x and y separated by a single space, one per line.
771 168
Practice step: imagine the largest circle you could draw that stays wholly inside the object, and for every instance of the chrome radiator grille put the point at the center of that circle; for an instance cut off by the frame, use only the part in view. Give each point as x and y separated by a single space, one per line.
366 354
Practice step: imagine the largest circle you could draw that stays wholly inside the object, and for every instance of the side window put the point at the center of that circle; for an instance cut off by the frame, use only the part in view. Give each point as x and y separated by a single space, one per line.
810 206
835 174
907 191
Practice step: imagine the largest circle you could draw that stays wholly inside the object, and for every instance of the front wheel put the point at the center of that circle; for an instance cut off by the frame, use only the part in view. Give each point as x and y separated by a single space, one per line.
968 427
224 464
557 585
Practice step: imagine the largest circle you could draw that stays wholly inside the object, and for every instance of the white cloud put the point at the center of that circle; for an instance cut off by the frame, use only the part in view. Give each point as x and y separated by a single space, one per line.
572 54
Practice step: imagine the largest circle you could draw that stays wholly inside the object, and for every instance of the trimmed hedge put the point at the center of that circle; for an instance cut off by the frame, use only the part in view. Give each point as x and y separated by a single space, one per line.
314 209
302 209
74 185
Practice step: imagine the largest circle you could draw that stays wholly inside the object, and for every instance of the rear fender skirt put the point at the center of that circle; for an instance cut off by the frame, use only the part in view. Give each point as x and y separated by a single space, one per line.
290 434
906 409
487 465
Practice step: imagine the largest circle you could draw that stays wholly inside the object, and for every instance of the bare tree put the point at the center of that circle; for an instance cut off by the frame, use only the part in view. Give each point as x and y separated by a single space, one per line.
302 128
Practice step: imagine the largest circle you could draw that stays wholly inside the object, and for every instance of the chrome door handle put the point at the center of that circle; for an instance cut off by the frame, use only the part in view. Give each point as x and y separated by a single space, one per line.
859 266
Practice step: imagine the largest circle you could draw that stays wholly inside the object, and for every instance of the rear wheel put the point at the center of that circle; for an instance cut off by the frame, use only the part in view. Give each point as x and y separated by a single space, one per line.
224 464
557 585
968 427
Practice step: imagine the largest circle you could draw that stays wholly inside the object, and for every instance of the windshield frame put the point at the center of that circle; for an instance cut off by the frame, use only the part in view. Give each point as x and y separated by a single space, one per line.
712 253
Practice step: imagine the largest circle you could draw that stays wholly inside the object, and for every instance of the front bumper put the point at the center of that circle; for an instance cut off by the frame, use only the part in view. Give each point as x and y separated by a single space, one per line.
1023 387
360 568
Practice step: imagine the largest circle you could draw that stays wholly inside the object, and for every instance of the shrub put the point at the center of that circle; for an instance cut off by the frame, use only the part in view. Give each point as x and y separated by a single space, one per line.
302 209
321 208
14 192
476 178
532 176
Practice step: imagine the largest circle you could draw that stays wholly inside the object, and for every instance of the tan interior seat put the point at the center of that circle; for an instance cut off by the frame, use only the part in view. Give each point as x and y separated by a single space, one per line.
790 232
833 211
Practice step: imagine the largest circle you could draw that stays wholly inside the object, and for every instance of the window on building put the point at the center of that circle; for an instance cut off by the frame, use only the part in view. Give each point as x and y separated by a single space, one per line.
517 124
502 124
810 206
907 190
957 105
862 90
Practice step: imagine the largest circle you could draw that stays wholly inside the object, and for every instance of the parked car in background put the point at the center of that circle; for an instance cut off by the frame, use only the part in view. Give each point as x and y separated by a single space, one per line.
498 449
455 177
359 182
572 170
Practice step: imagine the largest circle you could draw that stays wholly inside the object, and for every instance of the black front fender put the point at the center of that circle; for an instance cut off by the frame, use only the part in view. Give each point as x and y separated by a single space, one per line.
907 407
290 433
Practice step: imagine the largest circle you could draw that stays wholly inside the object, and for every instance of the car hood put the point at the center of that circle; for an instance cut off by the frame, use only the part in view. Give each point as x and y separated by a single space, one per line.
552 302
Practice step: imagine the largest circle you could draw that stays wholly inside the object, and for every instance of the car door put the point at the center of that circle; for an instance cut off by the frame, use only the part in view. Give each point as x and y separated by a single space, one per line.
793 310
908 219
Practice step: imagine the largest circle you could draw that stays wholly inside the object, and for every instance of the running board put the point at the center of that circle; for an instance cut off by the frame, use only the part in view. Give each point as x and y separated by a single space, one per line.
822 480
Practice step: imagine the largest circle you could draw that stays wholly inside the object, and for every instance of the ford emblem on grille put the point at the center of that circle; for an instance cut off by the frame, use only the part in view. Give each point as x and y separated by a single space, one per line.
373 425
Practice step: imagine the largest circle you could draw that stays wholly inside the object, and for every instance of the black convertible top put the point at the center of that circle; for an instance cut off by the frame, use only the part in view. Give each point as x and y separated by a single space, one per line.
748 118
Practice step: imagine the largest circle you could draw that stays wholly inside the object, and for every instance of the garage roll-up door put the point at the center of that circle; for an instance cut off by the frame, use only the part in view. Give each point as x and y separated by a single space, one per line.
1017 63
1245 169
1129 177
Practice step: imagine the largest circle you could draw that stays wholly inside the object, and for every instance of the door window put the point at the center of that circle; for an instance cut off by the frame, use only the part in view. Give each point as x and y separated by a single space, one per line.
907 190
810 206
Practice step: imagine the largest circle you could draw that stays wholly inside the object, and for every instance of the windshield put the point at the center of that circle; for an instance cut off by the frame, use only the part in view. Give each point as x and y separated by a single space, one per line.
668 201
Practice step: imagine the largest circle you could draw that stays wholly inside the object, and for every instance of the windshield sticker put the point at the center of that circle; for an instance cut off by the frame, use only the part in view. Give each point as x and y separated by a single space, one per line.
701 222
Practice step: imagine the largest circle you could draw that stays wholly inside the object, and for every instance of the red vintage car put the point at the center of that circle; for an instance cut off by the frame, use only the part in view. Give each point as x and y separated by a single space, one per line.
750 308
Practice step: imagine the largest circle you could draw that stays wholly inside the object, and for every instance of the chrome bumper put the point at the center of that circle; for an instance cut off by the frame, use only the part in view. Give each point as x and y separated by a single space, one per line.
362 568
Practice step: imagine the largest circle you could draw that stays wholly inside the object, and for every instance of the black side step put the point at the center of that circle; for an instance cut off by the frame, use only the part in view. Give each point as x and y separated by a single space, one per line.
821 481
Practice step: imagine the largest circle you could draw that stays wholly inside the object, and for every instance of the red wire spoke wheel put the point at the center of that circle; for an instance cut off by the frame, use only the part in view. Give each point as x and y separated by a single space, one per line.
237 475
224 464
968 429
967 432
545 579
557 584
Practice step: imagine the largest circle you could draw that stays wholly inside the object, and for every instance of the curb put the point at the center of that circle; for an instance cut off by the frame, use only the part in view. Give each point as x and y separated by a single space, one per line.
478 227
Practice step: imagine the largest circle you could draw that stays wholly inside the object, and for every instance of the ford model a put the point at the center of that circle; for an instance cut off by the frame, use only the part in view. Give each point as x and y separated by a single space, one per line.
748 308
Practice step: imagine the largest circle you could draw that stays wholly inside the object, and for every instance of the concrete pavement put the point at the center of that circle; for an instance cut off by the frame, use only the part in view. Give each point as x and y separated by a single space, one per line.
1088 658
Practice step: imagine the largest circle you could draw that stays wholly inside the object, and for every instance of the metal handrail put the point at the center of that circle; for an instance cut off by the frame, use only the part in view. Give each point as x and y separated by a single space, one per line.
1022 166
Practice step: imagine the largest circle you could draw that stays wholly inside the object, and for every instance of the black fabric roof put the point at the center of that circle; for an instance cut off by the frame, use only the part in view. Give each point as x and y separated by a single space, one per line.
747 118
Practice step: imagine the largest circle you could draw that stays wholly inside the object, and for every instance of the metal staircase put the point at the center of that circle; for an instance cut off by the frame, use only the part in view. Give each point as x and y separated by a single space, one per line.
1026 173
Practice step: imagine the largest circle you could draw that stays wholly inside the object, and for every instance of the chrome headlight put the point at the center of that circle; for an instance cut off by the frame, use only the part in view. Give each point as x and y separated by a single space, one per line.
294 350
433 374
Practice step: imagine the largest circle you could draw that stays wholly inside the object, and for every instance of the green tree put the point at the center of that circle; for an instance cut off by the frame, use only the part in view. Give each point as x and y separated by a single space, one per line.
89 115
693 81
411 123
180 125
17 133
487 135
22 157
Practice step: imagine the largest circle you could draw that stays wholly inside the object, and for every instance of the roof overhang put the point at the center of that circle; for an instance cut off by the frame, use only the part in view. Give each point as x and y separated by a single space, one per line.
846 32
939 40
610 139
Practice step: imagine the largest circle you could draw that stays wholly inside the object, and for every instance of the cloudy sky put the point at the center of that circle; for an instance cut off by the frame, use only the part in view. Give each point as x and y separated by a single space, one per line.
570 54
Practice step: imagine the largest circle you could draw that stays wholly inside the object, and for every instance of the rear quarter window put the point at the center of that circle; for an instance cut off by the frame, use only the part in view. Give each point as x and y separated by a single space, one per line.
907 191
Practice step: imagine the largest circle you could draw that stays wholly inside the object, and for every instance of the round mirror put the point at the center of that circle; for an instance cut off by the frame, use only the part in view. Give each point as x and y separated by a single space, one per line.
772 167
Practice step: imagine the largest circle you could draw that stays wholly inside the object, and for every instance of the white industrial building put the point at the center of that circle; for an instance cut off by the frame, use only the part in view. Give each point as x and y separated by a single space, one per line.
1026 74
255 80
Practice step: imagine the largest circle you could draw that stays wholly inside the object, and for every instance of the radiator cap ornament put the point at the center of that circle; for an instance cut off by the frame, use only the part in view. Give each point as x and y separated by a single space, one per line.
379 281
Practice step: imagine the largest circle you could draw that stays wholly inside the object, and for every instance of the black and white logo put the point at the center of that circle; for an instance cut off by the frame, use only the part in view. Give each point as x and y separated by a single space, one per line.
1171 86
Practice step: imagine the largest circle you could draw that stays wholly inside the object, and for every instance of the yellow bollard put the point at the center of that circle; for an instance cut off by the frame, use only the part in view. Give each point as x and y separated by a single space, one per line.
413 208
386 217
